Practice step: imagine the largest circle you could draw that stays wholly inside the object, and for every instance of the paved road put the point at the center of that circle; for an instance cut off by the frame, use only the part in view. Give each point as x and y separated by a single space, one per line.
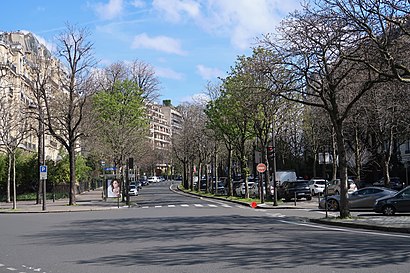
168 232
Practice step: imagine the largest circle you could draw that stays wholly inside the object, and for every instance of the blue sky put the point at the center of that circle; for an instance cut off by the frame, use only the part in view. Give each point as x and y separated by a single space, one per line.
188 42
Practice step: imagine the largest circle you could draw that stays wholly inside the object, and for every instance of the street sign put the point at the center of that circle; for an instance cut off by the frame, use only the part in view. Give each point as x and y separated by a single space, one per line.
261 168
43 172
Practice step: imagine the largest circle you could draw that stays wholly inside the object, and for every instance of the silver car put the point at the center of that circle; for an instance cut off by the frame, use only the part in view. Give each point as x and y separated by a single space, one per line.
361 199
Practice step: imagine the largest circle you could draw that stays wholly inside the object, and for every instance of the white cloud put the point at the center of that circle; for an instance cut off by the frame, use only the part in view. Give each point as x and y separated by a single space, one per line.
168 73
174 10
208 73
199 98
240 20
160 43
111 10
138 3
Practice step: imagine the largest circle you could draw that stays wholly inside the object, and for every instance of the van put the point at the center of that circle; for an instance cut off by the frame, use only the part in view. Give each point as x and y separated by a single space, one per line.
282 176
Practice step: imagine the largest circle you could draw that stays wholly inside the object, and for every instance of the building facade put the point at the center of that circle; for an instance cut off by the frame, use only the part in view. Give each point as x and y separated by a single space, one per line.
20 53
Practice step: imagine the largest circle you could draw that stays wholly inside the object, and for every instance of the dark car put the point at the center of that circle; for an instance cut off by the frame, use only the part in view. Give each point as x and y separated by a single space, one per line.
363 199
400 202
295 189
395 183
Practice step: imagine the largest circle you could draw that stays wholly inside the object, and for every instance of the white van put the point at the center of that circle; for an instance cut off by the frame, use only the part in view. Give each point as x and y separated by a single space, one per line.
282 176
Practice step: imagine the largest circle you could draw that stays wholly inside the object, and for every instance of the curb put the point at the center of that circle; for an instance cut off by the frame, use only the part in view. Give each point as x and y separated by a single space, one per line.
360 225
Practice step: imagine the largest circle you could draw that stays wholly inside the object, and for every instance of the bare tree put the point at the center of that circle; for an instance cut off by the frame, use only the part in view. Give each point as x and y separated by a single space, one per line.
14 127
384 27
143 74
314 49
64 104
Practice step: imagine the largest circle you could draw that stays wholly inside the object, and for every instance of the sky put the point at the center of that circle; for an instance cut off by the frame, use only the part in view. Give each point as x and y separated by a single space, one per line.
188 42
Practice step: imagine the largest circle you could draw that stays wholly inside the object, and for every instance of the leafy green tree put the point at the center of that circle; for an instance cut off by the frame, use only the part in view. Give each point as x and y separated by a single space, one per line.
120 121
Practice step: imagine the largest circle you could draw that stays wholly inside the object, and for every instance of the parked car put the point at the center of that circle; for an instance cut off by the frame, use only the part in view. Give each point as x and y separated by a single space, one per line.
254 190
137 184
220 189
334 187
153 179
395 183
360 199
291 189
240 191
317 185
389 205
133 190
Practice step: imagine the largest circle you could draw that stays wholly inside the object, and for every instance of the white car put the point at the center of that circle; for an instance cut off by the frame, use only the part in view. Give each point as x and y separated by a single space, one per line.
153 179
317 185
133 190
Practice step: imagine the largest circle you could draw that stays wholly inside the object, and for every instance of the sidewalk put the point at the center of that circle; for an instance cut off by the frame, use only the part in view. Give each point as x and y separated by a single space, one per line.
86 201
92 201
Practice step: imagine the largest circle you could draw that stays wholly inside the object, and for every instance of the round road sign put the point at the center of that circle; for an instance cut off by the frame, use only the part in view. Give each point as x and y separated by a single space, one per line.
261 168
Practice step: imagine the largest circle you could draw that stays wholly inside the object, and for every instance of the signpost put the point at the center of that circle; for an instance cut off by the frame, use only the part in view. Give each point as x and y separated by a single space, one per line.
43 177
261 167
43 172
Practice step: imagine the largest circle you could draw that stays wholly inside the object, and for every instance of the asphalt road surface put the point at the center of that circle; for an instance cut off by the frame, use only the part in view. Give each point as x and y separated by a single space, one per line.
169 232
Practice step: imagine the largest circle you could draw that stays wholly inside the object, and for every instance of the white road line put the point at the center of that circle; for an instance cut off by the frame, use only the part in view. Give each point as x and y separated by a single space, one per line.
144 207
2 265
158 206
171 206
275 215
226 206
344 229
11 269
212 205
184 205
198 205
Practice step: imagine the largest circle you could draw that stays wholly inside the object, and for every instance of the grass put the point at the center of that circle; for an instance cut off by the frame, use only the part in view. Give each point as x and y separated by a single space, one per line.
224 197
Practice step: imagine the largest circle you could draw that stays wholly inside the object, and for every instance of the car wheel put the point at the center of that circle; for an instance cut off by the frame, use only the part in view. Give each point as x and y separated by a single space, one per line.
332 205
388 210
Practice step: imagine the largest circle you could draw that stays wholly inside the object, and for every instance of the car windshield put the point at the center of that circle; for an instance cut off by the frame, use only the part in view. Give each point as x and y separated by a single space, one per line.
320 182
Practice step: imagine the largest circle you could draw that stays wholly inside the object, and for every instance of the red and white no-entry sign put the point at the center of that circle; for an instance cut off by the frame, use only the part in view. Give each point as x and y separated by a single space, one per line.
261 168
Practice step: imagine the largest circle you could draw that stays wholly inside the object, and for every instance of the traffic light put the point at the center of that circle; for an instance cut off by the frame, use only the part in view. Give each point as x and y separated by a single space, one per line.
270 153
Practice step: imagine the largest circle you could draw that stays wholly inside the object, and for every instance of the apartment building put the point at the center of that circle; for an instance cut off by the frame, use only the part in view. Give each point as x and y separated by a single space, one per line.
165 121
17 52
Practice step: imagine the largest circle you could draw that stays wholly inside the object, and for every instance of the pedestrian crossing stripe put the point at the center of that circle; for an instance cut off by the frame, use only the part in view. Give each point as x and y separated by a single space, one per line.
187 205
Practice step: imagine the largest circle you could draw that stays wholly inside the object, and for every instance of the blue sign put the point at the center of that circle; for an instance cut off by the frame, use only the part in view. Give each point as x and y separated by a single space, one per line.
43 169
110 169
43 172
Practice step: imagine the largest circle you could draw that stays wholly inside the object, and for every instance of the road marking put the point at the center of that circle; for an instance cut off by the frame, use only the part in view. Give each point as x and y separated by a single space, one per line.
212 205
344 229
11 269
171 206
2 265
275 215
226 206
198 205
184 205
158 206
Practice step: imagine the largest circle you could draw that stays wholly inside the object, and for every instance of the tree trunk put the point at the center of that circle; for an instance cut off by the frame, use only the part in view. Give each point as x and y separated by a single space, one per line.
344 210
230 186
9 179
14 182
71 155
334 155
357 155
